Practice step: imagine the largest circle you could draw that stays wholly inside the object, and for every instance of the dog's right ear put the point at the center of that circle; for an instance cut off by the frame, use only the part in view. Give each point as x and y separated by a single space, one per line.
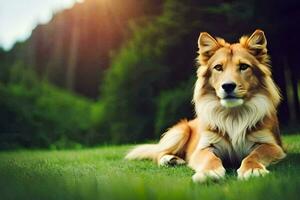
207 47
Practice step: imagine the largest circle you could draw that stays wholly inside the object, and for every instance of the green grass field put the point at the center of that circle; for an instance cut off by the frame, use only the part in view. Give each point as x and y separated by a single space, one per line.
101 173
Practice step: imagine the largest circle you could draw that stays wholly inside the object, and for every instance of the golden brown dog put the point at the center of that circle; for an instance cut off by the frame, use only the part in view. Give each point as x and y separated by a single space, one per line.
235 101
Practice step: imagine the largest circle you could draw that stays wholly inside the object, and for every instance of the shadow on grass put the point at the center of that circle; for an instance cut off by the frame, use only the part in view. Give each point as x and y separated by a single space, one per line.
291 162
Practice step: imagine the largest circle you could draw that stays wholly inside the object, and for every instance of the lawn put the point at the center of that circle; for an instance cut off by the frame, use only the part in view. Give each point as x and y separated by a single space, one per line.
101 173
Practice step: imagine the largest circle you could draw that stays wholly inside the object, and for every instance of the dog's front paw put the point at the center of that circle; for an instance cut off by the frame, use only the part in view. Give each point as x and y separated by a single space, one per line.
245 172
170 160
205 175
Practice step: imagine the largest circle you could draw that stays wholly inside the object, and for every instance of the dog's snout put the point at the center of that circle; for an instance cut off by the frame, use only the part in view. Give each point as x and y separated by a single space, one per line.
229 87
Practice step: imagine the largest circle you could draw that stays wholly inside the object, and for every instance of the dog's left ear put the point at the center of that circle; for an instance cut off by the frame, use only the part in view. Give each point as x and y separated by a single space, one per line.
257 44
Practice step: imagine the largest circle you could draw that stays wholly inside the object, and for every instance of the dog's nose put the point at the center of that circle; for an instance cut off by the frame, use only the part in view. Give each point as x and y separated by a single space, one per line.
229 87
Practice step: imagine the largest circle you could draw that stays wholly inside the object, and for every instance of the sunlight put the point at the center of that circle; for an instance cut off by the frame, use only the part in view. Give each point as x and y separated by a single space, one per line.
19 18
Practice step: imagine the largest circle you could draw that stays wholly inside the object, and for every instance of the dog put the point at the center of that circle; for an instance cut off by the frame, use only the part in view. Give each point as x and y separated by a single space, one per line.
236 122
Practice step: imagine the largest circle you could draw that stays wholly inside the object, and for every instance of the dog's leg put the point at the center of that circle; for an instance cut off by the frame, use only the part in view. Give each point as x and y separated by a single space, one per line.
256 162
207 165
172 144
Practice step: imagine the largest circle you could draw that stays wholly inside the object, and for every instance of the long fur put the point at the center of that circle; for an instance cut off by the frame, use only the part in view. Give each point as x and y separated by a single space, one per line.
171 143
146 151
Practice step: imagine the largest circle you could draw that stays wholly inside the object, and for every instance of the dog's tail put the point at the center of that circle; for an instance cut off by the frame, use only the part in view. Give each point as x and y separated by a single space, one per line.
172 142
145 151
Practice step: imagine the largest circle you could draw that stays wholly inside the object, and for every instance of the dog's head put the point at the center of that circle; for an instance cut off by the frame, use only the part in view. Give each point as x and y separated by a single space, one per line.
234 73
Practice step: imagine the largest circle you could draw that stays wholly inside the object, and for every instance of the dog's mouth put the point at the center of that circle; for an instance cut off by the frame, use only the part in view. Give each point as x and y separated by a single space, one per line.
231 97
231 101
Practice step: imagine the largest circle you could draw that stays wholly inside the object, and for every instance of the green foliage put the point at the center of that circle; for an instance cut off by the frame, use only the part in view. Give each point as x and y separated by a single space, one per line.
127 93
137 76
3 64
37 114
102 173
173 105
74 48
158 58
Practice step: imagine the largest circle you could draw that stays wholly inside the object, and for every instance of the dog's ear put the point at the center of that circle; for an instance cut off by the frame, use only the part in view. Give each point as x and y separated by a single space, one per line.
257 44
207 47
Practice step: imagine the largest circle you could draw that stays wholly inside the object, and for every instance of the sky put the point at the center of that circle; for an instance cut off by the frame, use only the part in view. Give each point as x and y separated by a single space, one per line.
19 17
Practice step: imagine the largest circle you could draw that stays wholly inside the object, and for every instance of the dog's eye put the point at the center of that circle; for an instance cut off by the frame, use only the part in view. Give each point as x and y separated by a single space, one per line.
218 67
244 66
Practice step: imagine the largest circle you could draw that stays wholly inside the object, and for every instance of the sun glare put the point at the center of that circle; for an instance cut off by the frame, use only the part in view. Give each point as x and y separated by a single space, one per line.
18 18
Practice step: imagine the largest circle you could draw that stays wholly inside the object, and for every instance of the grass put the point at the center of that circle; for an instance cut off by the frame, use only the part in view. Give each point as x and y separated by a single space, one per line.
101 173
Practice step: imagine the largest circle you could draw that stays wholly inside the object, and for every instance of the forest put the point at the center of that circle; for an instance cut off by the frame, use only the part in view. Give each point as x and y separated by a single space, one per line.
123 71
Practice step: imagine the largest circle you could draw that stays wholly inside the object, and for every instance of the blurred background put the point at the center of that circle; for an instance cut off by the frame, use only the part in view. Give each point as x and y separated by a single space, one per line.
89 72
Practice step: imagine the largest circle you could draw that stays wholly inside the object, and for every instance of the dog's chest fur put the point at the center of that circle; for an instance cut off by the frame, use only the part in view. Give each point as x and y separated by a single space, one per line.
233 126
